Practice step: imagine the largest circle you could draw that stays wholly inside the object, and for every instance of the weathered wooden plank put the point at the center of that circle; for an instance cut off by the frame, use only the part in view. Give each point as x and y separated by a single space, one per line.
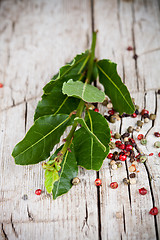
38 39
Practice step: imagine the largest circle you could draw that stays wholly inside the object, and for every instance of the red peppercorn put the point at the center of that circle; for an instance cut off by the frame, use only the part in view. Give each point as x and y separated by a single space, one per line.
111 112
38 192
134 115
122 146
140 136
144 111
154 211
157 134
110 155
159 154
96 110
1 85
143 191
98 182
114 185
118 142
151 154
130 48
122 157
128 147
110 131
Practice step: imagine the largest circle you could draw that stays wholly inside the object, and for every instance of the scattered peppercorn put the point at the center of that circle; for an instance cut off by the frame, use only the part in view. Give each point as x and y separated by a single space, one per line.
119 164
134 115
159 154
144 111
38 192
135 56
122 157
111 112
110 155
122 146
146 120
151 154
96 110
152 116
143 158
130 129
132 175
98 182
143 141
114 185
125 135
112 145
75 181
128 147
154 211
143 191
157 134
117 135
139 123
126 181
157 144
129 48
109 105
112 119
1 85
140 136
114 167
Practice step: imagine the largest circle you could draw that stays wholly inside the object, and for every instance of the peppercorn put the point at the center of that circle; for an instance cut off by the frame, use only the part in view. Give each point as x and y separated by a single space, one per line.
110 155
146 115
144 111
132 175
125 135
115 156
143 158
154 211
146 120
132 168
98 182
157 144
157 134
119 164
109 105
126 181
136 107
139 123
134 115
75 181
117 135
114 167
143 191
143 141
152 116
136 112
140 136
130 129
112 162
114 185
112 119
138 129
125 139
112 145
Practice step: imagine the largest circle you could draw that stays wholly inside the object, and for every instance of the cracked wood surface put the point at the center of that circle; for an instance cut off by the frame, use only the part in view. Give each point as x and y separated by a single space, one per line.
36 39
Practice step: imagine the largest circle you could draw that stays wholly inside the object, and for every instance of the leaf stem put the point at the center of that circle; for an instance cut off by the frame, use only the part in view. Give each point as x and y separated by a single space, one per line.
82 103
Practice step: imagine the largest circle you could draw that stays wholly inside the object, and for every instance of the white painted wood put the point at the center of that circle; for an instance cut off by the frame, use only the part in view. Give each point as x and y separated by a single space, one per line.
36 38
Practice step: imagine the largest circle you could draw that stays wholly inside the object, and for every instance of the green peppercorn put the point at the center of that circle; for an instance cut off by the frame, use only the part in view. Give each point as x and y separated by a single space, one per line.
152 116
119 164
117 135
112 145
143 141
157 144
112 119
137 107
139 123
143 158
130 129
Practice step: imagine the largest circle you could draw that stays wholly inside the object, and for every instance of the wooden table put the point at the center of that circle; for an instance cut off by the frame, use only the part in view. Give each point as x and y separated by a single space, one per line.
36 38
